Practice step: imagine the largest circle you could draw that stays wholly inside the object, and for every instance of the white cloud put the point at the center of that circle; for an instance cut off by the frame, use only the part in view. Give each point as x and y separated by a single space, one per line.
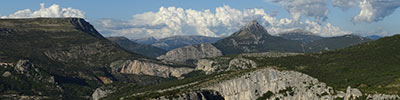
52 11
345 4
172 21
309 8
375 10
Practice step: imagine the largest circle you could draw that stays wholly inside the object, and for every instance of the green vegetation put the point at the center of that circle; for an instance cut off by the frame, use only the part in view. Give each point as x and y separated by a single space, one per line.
266 96
69 49
372 67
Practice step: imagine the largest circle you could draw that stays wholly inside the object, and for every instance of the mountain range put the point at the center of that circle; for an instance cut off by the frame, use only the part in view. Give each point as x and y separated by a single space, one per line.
66 58
173 42
254 38
143 49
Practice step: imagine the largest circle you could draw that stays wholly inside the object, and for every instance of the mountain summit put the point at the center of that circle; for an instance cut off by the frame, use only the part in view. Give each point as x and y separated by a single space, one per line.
253 37
252 29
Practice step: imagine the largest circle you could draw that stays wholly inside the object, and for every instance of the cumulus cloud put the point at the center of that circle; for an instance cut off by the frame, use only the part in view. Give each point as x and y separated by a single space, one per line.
172 21
52 11
309 8
375 10
344 4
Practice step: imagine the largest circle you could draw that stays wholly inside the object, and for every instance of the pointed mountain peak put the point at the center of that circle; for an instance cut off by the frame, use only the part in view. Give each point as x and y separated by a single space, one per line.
252 28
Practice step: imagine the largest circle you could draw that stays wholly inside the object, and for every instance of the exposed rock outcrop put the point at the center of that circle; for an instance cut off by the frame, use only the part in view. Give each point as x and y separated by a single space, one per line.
382 97
149 68
284 85
210 66
191 52
198 95
100 93
267 84
241 63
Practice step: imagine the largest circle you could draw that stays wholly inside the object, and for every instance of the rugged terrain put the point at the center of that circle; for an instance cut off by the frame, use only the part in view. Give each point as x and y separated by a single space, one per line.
190 53
66 58
60 58
356 72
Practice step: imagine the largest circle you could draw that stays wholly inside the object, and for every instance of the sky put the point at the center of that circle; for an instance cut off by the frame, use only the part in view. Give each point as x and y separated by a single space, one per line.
163 18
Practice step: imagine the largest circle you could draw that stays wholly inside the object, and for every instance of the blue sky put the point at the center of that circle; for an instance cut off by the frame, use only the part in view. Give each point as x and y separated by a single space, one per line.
97 10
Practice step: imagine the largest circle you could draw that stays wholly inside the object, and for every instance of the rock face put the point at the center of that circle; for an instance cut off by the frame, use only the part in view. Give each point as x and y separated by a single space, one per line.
22 73
241 63
269 84
212 66
382 97
198 95
283 85
149 68
235 63
191 52
100 93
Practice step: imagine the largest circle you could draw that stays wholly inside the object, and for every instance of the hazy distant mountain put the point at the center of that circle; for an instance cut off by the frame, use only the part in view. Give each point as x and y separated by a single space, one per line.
173 42
300 35
143 49
374 37
332 43
254 38
148 40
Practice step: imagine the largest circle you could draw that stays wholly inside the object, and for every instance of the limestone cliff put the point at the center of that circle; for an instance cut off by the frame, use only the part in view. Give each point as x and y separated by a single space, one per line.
140 67
283 85
101 92
191 52
210 66
198 95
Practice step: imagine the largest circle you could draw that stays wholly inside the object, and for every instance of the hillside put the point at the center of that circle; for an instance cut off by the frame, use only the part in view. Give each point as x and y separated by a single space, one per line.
371 67
333 43
365 71
143 49
68 51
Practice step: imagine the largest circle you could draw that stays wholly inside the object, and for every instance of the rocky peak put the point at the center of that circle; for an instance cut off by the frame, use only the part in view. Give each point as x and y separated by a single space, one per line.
252 29
85 26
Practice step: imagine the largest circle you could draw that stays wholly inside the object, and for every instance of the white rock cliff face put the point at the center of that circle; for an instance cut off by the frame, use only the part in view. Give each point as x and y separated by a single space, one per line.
282 85
212 66
191 52
153 69
100 93
285 85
